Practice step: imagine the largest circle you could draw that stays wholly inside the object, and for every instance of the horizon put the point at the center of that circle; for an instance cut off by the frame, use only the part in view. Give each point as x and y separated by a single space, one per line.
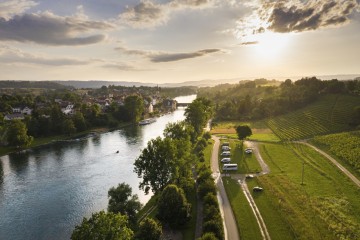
178 41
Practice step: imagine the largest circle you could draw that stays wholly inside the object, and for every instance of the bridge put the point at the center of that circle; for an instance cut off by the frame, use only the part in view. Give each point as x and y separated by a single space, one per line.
182 104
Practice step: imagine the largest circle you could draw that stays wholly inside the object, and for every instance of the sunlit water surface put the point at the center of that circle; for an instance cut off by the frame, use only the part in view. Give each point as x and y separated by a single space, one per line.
46 191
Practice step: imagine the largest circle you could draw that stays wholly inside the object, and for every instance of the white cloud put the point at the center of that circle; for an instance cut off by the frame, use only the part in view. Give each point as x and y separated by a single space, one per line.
11 55
8 9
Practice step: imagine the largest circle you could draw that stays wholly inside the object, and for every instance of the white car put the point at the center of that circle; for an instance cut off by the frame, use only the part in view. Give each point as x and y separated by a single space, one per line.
225 154
248 150
225 148
225 160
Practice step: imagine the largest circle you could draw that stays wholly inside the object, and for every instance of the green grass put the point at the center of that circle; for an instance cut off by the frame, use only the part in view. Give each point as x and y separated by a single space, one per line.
208 152
150 205
247 163
326 206
329 114
264 137
245 219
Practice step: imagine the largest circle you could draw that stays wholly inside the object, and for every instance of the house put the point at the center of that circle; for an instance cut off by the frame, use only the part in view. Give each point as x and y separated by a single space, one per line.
14 116
68 110
25 110
169 104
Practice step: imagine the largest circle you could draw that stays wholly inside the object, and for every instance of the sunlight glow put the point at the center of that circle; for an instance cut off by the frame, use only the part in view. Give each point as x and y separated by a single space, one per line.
271 45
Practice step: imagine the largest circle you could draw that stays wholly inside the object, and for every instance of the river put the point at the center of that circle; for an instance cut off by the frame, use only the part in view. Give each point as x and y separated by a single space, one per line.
46 191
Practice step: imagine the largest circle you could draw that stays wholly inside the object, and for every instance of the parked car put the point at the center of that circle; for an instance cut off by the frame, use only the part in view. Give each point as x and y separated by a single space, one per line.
249 176
225 160
248 150
257 189
225 154
225 148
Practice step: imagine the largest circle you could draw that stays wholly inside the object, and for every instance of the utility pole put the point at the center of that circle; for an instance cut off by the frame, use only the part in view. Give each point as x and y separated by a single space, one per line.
302 175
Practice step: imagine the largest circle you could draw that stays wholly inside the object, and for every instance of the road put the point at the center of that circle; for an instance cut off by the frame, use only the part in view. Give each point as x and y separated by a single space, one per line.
230 227
336 163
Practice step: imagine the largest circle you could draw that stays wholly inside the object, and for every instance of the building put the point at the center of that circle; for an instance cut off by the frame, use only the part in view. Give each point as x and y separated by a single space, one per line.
14 116
169 104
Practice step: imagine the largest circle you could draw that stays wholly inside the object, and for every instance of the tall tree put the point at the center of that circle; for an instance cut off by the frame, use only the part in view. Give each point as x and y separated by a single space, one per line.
122 201
103 225
149 229
156 164
17 134
134 106
243 131
173 208
198 113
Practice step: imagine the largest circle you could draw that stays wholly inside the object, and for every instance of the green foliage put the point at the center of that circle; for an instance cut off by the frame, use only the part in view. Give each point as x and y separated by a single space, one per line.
208 236
156 164
331 113
134 106
121 201
173 208
346 146
198 113
17 134
243 131
149 229
103 225
68 127
206 187
215 227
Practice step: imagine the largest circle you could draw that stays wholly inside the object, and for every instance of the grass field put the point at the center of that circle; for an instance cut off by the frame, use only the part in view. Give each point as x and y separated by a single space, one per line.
326 206
331 113
245 219
208 152
247 163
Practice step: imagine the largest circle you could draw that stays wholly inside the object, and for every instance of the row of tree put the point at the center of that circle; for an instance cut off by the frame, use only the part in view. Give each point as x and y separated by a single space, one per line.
256 100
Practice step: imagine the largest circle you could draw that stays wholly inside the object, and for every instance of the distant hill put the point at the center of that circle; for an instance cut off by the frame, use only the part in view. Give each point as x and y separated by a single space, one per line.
32 84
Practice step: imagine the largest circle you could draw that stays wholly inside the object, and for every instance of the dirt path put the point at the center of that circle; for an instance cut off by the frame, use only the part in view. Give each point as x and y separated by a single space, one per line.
336 163
230 226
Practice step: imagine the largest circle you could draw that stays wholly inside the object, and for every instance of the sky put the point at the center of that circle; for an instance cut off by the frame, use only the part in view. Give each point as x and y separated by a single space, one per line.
163 41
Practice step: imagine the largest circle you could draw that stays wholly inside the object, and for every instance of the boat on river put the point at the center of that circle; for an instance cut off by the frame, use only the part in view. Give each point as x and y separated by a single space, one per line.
147 121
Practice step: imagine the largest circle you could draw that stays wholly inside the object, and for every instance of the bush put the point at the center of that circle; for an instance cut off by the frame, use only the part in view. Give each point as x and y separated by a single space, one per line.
206 187
215 227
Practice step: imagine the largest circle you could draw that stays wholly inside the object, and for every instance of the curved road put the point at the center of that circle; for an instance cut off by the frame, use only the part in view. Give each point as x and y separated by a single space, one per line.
230 226
336 163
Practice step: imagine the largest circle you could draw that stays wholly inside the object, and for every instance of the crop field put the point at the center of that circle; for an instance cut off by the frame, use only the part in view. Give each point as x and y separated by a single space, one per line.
245 218
329 114
325 206
247 163
345 146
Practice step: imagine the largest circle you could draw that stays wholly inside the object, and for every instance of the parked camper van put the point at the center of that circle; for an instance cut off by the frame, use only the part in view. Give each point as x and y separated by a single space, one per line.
230 166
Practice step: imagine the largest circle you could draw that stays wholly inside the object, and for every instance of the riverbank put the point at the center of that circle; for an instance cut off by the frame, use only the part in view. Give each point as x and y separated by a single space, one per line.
39 142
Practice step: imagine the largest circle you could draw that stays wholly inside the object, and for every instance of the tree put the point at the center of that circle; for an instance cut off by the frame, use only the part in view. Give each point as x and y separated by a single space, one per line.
134 106
103 225
68 127
156 164
243 131
215 227
173 207
149 229
198 113
121 201
208 236
79 122
17 134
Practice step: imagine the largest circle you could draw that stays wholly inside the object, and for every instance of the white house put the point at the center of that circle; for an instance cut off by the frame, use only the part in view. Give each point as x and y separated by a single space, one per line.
14 116
69 109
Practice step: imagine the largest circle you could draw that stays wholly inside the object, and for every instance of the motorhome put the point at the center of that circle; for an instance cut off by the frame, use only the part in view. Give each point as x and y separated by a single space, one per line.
230 166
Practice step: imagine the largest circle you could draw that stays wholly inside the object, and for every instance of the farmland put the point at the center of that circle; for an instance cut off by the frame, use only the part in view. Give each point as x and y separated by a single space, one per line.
331 113
325 206
345 146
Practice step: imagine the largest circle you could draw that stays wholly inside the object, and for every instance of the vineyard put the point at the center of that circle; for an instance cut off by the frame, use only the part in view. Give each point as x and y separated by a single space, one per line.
346 146
329 114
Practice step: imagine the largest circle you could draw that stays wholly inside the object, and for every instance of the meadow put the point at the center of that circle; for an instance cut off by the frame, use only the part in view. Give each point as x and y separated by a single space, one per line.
321 204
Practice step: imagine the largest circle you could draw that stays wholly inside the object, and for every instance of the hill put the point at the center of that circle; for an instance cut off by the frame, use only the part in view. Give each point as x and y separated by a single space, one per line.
32 84
329 114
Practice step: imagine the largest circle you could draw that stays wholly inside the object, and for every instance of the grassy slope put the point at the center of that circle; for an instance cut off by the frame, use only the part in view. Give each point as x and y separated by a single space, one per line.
327 206
331 113
245 219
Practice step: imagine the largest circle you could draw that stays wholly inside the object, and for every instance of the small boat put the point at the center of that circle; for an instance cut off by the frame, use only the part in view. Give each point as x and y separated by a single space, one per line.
117 151
147 121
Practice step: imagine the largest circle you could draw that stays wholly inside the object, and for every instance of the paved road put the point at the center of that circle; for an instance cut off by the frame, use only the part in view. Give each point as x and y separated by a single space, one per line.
230 227
336 163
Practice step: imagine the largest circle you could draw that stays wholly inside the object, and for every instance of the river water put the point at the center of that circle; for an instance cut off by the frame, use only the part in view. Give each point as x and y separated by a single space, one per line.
46 191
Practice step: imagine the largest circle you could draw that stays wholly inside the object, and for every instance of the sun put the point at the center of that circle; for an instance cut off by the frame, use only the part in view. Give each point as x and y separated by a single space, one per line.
271 45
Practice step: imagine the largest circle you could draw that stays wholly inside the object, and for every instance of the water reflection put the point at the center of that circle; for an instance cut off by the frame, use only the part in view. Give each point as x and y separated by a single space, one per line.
45 192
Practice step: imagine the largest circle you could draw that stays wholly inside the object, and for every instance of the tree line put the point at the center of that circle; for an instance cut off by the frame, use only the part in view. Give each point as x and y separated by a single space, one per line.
165 167
253 100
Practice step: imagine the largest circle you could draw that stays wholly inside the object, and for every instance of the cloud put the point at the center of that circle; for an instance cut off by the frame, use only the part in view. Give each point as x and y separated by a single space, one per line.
50 29
157 57
297 16
148 14
10 55
125 67
8 9
171 57
250 43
